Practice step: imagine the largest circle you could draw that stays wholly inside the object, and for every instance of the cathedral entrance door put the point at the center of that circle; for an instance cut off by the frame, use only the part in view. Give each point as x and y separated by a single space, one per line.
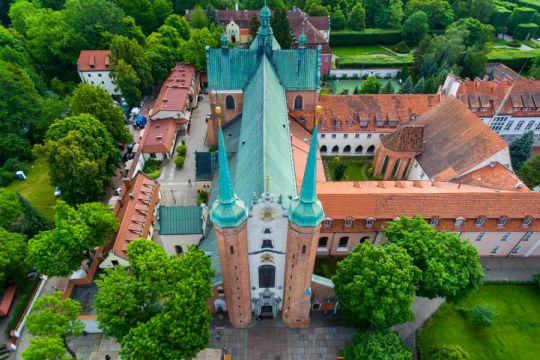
267 310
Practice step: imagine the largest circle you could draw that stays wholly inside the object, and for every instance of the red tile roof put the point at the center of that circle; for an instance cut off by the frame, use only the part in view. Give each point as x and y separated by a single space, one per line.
407 138
159 136
94 60
320 22
455 140
241 17
313 36
493 176
300 141
138 200
175 91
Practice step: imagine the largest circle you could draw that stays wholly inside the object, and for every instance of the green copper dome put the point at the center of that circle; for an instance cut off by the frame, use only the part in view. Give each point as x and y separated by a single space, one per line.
265 12
302 40
306 210
224 41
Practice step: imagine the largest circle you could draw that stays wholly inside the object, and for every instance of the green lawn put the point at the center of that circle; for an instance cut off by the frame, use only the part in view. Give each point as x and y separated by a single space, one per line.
37 188
513 336
338 86
357 167
343 51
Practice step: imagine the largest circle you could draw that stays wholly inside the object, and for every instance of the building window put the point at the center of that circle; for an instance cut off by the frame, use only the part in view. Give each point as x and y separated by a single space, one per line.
480 221
434 221
384 165
230 103
347 149
220 291
335 149
345 136
371 149
358 149
327 223
99 75
509 125
459 221
114 262
267 231
343 242
298 102
303 249
480 236
153 155
380 136
369 136
323 242
530 124
516 249
379 123
396 168
267 244
537 125
333 136
502 222
356 136
363 123
323 136
267 276
178 249
370 222
348 222
527 236
495 249
406 170
324 149
527 221
505 236
519 125
498 123
231 249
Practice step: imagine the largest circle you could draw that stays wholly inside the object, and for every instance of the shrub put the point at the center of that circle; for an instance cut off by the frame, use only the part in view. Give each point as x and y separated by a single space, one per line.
6 177
213 148
520 15
151 166
203 198
13 165
514 43
367 61
378 177
155 174
513 58
336 160
524 31
482 315
365 37
181 150
401 47
447 352
179 161
370 171
381 344
339 171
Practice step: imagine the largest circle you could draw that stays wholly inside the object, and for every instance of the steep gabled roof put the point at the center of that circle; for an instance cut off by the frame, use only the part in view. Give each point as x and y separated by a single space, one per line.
408 138
94 60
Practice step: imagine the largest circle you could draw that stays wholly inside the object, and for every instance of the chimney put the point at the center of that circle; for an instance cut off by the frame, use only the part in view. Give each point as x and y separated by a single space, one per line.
519 185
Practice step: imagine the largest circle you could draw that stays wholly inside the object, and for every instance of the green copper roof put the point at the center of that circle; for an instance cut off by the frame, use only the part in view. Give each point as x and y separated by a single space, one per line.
307 210
298 69
255 43
180 220
264 147
227 210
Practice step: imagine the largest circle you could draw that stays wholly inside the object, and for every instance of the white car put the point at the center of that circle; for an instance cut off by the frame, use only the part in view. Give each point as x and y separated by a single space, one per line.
57 191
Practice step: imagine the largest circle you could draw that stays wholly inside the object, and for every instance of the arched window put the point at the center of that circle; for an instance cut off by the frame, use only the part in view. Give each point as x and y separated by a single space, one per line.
323 242
335 149
364 239
396 168
343 242
178 249
406 168
267 276
347 149
229 102
324 149
267 244
384 165
371 149
267 231
358 149
298 102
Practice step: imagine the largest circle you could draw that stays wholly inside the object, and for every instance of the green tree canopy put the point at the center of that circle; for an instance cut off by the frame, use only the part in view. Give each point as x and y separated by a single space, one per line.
55 317
520 149
198 18
450 266
447 352
529 172
383 13
180 24
253 26
194 50
280 26
407 87
338 19
61 250
439 12
415 28
375 285
18 12
357 17
82 157
370 86
376 345
388 88
128 82
148 14
155 316
13 267
93 100
45 348
132 54
10 207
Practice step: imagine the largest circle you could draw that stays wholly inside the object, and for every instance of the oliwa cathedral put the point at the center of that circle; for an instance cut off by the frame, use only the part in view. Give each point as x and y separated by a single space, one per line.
273 211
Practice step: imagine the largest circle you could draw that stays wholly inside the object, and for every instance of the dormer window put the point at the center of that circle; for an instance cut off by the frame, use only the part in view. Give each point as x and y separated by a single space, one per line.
413 117
502 222
370 222
480 221
527 221
515 109
380 123
348 222
267 244
327 222
484 110
392 123
527 109
459 221
474 109
363 123
434 221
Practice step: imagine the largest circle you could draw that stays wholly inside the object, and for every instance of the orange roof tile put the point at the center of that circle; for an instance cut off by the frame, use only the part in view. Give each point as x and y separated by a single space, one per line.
159 136
493 176
175 91
94 60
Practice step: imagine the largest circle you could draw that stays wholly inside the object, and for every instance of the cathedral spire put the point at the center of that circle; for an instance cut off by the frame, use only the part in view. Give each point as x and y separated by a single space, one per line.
227 210
306 210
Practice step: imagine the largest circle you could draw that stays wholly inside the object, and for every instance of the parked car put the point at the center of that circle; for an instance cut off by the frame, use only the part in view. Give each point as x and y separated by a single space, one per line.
57 191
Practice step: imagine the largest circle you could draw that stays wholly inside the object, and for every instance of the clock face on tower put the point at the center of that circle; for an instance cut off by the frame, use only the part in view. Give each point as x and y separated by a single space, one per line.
267 214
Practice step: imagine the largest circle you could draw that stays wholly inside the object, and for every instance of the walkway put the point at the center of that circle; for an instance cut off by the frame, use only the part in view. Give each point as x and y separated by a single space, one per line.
510 268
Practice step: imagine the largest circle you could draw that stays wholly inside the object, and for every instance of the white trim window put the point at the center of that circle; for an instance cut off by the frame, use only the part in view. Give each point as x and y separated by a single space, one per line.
459 221
495 249
480 236
527 236
370 222
480 221
516 249
505 236
348 222
502 222
527 221
434 221
327 223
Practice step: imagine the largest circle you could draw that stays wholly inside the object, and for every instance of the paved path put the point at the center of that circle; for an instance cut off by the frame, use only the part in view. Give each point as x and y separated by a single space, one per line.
510 268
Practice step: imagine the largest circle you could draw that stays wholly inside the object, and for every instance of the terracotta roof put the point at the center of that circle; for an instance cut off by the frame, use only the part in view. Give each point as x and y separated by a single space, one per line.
138 199
94 60
313 36
359 113
493 176
388 199
320 22
241 17
500 71
159 136
408 138
175 91
244 31
455 140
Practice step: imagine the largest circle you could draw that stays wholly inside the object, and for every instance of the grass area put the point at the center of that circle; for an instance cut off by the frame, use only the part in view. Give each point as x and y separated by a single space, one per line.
25 289
357 167
506 53
373 60
338 86
325 266
37 188
499 42
344 51
533 44
513 336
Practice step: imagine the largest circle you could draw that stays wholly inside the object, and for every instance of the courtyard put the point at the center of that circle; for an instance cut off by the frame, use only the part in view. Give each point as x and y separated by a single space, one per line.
357 168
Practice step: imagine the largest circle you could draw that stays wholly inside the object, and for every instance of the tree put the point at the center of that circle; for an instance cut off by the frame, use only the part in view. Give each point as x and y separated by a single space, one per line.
135 307
82 157
132 54
18 12
45 348
529 172
376 345
339 171
280 26
338 19
128 82
13 268
407 87
520 149
162 59
383 13
482 10
149 14
10 207
447 352
419 88
30 222
450 266
61 250
388 88
93 100
520 15
211 15
482 315
133 31
375 285
357 17
439 12
56 318
315 8
253 26
180 24
198 18
415 28
194 50
370 86
14 146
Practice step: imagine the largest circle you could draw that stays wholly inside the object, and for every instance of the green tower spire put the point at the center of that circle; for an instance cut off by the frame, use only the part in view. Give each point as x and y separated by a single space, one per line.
306 210
302 40
224 41
265 34
228 210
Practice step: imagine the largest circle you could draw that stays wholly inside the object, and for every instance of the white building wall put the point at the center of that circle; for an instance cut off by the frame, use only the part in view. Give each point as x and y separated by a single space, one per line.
417 172
233 30
510 128
354 140
169 242
108 262
380 72
102 79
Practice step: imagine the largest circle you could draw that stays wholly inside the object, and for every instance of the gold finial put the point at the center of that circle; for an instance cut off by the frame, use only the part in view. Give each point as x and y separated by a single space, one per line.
318 110
218 112
268 178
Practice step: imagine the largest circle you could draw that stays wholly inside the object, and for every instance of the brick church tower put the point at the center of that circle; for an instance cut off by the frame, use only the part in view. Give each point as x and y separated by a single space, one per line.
305 216
229 216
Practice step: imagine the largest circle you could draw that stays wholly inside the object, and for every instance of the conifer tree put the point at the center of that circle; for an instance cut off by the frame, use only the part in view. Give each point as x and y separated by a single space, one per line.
407 87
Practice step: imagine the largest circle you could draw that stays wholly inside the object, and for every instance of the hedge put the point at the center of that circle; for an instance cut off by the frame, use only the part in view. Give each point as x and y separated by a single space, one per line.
368 61
514 43
513 58
401 47
523 31
365 37
500 16
535 4
520 15
506 4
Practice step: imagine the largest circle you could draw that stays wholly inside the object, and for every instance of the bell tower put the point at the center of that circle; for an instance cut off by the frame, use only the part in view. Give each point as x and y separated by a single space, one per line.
305 216
229 216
